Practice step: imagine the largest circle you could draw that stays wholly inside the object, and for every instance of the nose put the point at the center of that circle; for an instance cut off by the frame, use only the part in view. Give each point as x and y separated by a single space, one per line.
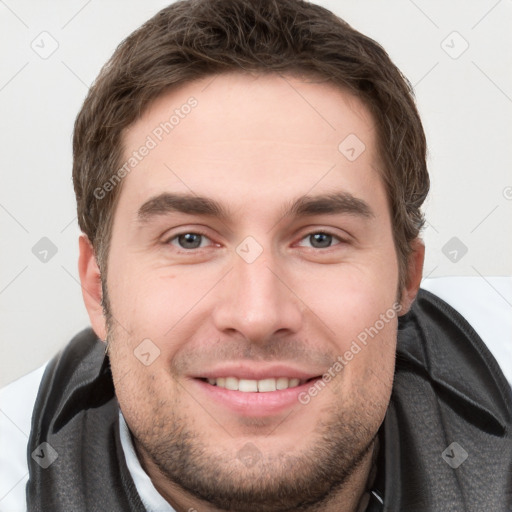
257 300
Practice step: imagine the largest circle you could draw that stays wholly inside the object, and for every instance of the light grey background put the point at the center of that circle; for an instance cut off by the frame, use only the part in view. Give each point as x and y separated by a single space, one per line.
465 101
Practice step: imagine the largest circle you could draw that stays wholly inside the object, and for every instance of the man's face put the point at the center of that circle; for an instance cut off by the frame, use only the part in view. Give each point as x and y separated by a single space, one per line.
272 293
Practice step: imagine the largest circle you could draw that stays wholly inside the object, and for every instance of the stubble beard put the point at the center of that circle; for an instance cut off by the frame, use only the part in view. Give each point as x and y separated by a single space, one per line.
306 481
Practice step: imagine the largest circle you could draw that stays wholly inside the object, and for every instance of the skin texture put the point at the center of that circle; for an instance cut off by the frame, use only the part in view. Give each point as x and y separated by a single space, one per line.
254 144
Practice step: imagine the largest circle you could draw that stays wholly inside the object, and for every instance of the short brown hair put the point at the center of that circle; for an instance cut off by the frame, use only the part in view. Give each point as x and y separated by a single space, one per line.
191 39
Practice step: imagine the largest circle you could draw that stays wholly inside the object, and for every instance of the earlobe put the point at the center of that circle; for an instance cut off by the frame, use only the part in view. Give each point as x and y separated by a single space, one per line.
414 275
90 279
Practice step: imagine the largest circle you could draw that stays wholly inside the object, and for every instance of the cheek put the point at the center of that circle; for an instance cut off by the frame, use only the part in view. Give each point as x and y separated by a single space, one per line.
367 376
357 305
152 301
352 298
139 380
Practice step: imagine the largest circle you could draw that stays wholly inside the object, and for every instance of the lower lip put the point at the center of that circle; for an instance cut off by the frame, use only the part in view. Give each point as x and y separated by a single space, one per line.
255 404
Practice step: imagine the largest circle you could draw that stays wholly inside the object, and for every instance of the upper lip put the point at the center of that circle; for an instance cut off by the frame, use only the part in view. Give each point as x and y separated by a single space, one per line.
255 372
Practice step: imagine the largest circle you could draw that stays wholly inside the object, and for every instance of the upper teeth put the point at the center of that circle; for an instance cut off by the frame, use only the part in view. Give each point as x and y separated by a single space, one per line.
248 385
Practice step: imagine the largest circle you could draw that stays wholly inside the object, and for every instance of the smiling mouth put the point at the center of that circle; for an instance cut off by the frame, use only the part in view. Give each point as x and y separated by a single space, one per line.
257 386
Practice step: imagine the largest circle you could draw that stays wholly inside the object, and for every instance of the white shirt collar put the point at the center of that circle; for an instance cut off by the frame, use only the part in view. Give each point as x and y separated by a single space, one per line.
151 498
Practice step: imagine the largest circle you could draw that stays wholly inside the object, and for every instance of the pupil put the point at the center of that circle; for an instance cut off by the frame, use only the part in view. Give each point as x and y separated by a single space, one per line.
190 240
320 240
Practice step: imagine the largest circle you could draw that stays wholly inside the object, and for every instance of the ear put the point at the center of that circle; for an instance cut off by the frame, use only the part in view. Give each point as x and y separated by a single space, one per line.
414 275
90 278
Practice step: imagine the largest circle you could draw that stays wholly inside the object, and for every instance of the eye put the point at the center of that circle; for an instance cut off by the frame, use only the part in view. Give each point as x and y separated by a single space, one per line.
189 240
320 240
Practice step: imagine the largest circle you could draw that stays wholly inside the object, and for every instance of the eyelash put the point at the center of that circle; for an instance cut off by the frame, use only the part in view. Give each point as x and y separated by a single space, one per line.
328 233
196 232
200 233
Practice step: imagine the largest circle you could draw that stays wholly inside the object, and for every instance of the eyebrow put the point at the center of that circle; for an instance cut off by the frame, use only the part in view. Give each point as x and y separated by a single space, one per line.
185 203
331 204
335 203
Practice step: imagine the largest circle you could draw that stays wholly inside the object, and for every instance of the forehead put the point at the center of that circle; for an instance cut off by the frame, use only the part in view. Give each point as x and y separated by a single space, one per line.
252 137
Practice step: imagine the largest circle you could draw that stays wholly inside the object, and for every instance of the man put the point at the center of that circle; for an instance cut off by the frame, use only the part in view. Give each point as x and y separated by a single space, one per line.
249 178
